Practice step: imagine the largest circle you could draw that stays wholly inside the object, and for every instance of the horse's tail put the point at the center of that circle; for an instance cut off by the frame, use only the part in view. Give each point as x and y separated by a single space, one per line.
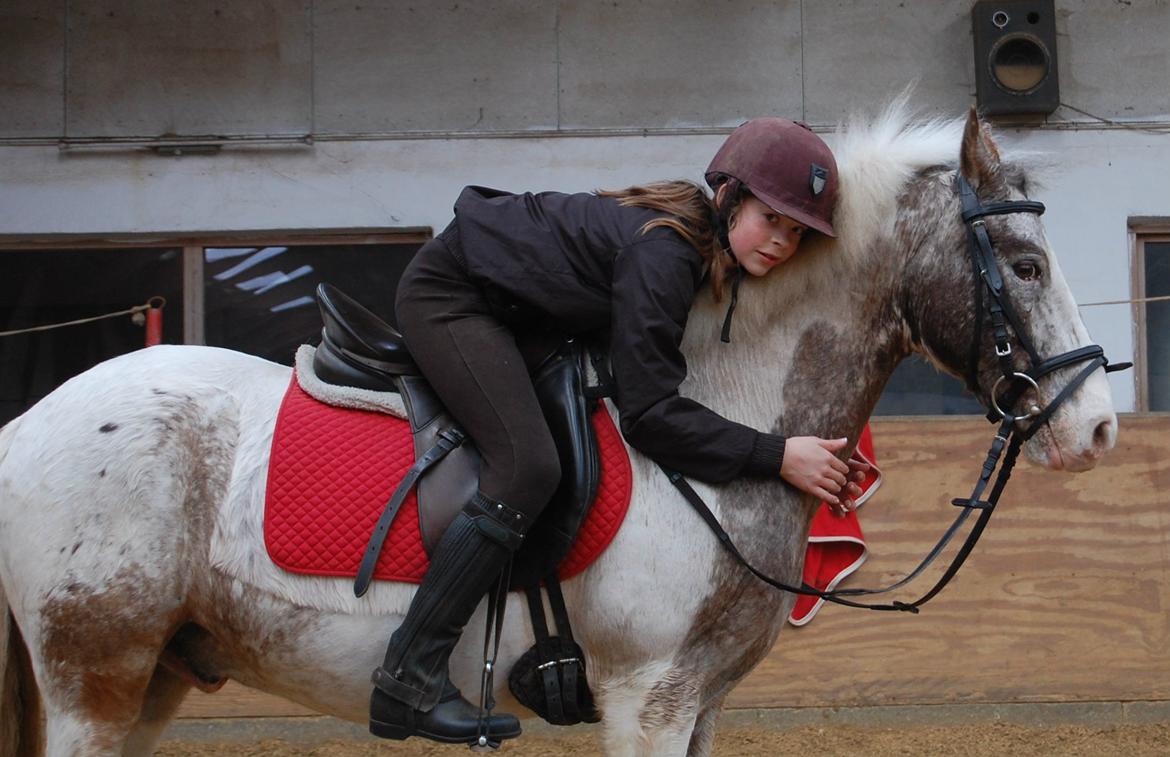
21 731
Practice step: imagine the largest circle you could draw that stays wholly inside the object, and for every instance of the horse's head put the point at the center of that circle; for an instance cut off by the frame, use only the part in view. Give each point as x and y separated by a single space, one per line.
966 335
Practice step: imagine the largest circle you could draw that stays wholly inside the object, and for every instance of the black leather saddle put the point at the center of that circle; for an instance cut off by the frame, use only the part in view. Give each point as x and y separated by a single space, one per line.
361 350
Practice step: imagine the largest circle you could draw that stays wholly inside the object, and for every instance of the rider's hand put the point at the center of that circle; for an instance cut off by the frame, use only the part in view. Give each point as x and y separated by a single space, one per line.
811 465
858 467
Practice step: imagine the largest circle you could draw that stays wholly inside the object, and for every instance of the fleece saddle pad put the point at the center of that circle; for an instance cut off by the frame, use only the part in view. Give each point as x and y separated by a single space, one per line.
332 470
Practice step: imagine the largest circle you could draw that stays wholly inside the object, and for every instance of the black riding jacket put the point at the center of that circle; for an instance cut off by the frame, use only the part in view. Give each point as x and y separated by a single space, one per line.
579 263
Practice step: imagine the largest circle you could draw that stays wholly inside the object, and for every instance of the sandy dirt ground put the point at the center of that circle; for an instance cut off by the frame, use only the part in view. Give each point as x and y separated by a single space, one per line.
998 740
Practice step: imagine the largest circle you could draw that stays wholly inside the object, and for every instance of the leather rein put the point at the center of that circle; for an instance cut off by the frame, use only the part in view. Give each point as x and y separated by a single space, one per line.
991 299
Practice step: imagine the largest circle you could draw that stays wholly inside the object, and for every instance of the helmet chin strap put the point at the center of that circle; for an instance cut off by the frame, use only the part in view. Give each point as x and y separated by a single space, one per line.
723 233
725 335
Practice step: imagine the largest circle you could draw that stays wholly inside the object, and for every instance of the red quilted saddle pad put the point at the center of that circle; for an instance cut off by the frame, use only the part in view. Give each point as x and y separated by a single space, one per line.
332 470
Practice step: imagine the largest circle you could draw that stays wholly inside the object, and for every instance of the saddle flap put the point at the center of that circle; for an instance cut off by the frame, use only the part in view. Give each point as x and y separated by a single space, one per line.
444 489
452 482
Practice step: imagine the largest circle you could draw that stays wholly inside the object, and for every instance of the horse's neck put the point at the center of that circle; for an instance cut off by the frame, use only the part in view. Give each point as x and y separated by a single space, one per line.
808 357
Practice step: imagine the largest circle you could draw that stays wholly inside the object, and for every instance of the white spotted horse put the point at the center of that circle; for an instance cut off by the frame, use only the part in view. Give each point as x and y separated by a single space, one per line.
132 562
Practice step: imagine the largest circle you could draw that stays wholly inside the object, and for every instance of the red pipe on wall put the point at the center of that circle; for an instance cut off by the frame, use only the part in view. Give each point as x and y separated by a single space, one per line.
154 321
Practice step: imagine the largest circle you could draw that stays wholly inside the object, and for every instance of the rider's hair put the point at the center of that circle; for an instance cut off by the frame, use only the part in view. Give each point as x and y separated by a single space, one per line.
691 213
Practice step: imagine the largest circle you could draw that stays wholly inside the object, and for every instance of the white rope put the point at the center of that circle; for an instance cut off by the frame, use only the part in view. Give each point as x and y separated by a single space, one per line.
48 326
1125 302
141 308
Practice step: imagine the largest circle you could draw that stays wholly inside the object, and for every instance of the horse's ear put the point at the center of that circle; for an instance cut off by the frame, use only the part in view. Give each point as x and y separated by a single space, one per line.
979 159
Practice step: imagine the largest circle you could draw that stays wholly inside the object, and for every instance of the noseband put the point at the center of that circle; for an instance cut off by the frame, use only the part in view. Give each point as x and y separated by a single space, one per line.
993 305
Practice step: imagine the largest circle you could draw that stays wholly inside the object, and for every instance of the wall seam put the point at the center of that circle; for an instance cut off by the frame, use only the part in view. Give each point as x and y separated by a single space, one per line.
312 67
803 106
65 68
557 47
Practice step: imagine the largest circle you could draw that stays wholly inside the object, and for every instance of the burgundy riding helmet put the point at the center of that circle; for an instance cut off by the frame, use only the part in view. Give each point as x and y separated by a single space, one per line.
784 165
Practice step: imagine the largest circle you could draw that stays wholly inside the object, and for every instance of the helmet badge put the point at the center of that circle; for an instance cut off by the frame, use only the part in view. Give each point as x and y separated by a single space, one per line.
818 177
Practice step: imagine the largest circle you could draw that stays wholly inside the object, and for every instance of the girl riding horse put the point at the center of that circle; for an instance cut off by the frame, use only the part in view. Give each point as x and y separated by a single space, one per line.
628 262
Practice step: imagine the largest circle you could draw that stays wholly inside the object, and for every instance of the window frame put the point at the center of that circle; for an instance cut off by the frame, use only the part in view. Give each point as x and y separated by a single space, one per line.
1142 235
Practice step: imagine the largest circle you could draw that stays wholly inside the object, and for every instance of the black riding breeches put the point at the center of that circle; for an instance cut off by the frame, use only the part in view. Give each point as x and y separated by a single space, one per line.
476 367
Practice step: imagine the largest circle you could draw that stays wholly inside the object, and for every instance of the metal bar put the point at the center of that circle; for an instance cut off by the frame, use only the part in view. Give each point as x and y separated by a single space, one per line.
1155 127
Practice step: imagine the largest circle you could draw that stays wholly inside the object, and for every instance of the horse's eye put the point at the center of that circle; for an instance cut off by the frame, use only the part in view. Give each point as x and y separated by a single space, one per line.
1026 270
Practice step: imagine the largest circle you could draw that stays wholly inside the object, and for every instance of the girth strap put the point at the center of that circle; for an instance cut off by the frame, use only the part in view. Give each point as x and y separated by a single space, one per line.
550 678
449 439
560 668
548 655
570 666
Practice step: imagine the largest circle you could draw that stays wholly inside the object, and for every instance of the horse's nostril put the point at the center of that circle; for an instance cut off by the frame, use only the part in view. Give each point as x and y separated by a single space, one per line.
1103 436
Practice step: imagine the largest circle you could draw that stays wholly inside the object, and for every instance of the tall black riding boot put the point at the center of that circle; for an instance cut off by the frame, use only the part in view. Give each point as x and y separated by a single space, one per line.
413 695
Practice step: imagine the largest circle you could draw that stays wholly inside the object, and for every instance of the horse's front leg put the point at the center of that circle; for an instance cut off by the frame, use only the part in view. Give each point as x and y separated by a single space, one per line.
651 712
703 735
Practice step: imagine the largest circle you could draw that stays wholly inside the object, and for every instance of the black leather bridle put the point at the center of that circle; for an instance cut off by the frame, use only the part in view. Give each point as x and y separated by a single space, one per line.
992 300
992 305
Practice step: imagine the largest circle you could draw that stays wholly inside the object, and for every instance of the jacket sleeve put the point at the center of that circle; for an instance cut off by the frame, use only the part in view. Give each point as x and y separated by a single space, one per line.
654 286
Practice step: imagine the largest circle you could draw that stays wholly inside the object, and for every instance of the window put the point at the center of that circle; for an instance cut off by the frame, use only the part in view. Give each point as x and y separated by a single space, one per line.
260 299
253 295
1153 318
918 388
42 287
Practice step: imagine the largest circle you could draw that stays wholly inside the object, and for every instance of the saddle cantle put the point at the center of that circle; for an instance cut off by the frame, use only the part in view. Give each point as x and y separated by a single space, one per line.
359 349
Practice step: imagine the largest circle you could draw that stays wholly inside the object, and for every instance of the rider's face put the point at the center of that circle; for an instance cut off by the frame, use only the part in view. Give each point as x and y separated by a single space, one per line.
762 238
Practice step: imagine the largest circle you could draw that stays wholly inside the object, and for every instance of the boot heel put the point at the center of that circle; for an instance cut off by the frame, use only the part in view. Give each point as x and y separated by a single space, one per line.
390 731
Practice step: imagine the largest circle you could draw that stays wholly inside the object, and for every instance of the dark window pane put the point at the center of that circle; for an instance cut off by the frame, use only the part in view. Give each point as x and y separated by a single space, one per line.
260 300
40 287
1157 270
917 388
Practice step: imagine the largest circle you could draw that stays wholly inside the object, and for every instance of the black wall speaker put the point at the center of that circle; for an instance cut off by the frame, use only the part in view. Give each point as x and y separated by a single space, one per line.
1015 57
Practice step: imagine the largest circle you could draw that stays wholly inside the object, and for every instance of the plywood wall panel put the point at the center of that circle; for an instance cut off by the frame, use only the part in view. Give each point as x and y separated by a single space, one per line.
1064 600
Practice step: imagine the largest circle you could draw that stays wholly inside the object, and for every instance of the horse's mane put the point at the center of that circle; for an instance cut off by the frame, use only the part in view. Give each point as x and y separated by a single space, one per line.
877 158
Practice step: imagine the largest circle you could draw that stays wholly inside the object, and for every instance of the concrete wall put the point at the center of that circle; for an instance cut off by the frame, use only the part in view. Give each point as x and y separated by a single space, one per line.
130 67
408 101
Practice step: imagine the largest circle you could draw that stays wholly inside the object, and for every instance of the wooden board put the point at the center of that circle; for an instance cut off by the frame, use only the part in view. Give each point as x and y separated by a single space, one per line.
1066 598
236 701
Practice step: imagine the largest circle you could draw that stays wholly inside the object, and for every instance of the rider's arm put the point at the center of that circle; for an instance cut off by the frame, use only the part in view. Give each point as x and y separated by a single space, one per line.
654 285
